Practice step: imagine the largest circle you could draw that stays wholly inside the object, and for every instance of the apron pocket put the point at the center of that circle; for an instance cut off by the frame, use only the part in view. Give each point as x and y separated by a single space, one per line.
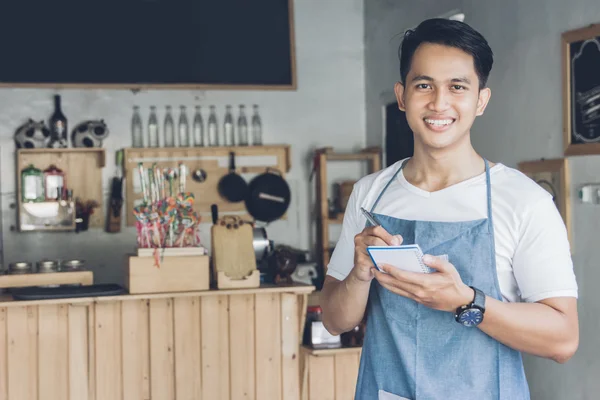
383 395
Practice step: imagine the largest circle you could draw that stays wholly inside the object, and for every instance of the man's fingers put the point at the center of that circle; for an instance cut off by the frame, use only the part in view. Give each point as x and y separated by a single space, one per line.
392 281
389 239
437 263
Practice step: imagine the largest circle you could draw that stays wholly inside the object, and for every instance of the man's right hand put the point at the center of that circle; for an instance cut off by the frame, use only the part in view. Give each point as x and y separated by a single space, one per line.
371 236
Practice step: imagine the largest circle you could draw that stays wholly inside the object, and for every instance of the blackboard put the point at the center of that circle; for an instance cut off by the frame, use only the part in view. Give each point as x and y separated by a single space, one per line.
585 92
145 43
399 138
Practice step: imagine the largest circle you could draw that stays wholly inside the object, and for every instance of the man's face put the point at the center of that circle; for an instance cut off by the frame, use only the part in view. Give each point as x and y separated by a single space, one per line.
441 96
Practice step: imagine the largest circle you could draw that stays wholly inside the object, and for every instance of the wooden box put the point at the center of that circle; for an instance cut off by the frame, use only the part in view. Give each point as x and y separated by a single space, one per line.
175 274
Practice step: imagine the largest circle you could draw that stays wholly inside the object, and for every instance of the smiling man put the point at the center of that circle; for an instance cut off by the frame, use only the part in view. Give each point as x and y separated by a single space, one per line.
508 285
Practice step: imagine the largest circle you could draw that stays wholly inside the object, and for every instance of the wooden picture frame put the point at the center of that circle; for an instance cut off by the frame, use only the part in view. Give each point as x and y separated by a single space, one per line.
581 90
553 176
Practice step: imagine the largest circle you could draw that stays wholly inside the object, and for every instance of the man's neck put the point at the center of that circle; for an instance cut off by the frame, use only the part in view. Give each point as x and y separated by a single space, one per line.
433 170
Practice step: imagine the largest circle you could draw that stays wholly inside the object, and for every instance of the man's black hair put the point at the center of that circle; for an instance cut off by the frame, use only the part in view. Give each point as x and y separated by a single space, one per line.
447 33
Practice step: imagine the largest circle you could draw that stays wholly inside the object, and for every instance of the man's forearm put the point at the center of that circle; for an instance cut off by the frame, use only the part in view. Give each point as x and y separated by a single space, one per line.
343 303
535 328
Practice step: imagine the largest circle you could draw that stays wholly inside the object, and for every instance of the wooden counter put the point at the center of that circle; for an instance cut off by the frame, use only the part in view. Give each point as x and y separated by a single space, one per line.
217 345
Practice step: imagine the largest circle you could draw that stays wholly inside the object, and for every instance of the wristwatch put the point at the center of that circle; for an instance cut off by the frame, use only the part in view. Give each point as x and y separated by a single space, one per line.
471 314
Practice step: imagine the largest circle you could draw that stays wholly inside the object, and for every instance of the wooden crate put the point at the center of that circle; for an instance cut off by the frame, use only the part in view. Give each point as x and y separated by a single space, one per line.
83 171
213 160
41 279
175 274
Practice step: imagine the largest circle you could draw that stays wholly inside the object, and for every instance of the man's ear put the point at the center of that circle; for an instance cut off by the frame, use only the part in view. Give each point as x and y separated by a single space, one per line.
483 100
399 90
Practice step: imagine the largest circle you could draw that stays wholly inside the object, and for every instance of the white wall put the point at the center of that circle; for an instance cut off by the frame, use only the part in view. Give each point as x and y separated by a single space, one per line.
326 110
523 122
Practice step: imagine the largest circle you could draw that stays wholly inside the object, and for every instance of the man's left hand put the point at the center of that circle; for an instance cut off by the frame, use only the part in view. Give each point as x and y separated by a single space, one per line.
441 290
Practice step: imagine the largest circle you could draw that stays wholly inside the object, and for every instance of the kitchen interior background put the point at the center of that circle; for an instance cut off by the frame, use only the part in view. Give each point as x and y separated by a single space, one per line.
346 65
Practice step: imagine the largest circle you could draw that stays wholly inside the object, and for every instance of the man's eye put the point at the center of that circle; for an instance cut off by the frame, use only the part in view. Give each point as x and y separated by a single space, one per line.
458 87
422 86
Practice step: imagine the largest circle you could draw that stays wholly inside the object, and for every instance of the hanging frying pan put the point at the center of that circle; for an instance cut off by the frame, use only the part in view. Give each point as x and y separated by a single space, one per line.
268 196
233 187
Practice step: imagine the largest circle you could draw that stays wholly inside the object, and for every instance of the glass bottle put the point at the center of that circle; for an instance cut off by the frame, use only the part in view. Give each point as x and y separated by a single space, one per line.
54 183
137 136
153 128
169 128
256 128
242 127
58 126
213 128
183 128
198 128
228 132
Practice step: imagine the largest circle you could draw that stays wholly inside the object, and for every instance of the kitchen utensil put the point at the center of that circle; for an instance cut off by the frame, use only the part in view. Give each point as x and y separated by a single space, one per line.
268 196
199 175
233 187
115 205
261 244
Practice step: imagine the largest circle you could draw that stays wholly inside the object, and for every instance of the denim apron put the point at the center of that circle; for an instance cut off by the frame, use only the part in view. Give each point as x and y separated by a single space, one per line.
411 351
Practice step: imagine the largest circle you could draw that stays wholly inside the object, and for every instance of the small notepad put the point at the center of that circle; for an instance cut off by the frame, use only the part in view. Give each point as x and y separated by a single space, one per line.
407 257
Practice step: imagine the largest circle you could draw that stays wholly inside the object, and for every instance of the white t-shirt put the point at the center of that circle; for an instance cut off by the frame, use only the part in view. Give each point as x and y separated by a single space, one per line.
533 258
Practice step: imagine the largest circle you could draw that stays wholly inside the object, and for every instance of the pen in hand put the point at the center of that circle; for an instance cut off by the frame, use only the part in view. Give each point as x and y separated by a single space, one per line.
370 217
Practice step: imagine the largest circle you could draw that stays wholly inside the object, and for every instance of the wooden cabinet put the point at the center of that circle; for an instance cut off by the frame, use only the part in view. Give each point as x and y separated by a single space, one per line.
217 345
329 374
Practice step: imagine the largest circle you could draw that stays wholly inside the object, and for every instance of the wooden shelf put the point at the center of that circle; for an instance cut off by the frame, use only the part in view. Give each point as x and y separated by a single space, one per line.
83 172
322 156
214 161
331 352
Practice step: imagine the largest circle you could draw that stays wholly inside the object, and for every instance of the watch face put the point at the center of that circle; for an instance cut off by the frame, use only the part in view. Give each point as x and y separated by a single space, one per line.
471 317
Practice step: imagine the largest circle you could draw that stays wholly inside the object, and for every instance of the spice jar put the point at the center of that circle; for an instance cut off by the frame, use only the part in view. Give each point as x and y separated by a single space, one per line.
32 185
72 265
54 181
47 266
20 267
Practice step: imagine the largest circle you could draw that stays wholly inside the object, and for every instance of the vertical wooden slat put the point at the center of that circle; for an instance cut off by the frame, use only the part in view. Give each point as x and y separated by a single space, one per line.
78 352
91 352
162 382
346 374
136 351
321 378
188 374
241 346
52 352
289 347
108 351
268 346
215 347
3 356
22 352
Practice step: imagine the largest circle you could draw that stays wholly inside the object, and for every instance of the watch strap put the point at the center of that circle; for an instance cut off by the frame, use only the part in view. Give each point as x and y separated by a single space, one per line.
479 299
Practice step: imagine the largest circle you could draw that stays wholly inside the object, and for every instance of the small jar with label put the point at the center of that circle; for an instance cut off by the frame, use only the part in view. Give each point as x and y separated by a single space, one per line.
54 181
32 185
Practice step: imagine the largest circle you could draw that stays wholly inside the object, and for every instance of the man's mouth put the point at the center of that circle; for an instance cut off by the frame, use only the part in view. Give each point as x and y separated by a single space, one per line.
438 122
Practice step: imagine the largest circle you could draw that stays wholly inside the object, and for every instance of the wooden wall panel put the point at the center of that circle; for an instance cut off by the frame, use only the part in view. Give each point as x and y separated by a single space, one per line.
222 347
108 351
188 374
21 324
78 361
268 346
162 363
321 378
53 352
241 347
215 347
136 350
346 373
3 356
290 327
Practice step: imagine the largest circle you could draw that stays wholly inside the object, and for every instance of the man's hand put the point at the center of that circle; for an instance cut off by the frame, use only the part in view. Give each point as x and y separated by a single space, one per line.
441 290
371 236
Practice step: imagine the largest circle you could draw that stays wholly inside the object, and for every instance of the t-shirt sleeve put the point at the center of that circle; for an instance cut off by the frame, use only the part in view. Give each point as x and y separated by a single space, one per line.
342 258
542 262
